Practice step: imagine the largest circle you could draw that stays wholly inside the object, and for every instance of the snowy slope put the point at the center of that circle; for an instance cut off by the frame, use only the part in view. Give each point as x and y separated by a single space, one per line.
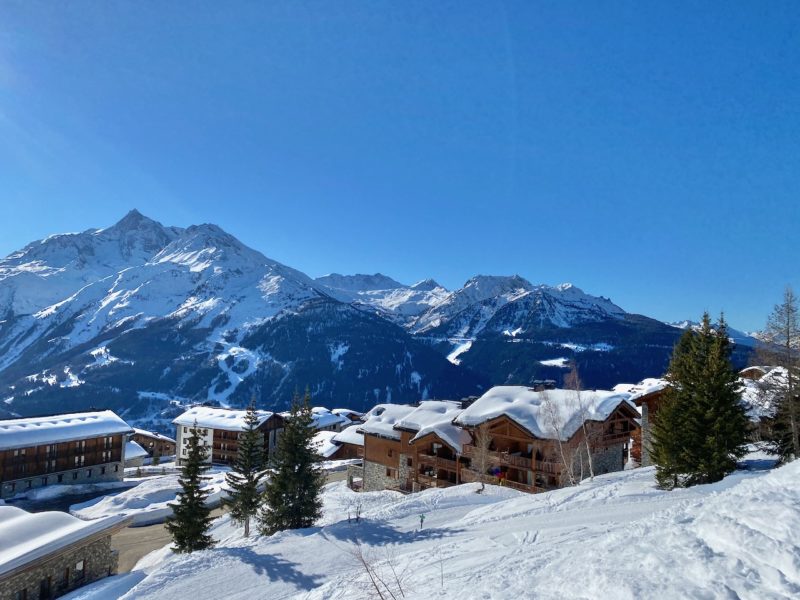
614 537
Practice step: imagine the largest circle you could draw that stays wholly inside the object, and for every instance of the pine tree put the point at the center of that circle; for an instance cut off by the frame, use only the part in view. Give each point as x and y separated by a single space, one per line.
702 427
783 335
292 494
191 518
247 473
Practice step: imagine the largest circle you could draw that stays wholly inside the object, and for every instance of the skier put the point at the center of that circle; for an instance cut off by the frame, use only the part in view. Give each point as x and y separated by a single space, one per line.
421 521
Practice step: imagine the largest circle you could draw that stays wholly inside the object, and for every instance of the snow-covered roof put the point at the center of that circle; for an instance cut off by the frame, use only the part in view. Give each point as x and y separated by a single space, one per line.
134 450
350 435
30 536
645 387
382 419
323 417
436 416
33 431
153 434
323 443
543 413
219 418
353 415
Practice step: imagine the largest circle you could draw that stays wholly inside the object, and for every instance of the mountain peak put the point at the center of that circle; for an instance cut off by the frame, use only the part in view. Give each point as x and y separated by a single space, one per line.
426 285
359 282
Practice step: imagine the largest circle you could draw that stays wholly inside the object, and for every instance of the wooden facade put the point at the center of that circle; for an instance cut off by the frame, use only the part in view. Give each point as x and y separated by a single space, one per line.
155 445
64 462
522 461
224 443
435 463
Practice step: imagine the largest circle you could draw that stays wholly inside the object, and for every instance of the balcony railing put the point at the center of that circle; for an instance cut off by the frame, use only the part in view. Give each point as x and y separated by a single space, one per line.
438 461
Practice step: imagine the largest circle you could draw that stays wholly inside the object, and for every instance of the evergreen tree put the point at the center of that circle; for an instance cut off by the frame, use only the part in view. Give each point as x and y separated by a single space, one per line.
702 427
783 335
292 494
247 473
191 518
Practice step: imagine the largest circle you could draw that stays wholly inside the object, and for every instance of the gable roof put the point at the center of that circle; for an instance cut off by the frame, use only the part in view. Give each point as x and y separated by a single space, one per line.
219 418
543 414
436 417
54 429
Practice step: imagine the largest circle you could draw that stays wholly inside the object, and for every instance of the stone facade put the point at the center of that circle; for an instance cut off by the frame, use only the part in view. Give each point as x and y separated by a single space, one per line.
604 460
113 471
375 478
59 573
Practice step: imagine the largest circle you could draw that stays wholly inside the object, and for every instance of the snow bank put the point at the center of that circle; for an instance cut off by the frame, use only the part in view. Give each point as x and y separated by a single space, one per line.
147 503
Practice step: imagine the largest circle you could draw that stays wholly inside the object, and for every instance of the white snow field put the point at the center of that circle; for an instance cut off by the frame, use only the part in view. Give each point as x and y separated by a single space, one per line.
147 503
616 537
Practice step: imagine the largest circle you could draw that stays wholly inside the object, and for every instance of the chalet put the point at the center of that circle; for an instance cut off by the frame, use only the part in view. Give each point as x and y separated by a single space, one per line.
536 440
47 554
157 445
323 419
433 444
383 448
220 429
648 396
86 447
352 415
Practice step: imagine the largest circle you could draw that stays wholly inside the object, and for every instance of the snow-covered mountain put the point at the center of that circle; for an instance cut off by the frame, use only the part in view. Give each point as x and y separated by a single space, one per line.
395 301
511 304
743 338
138 314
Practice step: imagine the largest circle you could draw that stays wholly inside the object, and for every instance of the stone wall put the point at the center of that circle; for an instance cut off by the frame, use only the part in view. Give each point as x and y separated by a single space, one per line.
113 472
375 478
99 561
604 460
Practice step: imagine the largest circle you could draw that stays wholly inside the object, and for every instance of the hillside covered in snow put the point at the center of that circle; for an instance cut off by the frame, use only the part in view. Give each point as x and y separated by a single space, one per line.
614 537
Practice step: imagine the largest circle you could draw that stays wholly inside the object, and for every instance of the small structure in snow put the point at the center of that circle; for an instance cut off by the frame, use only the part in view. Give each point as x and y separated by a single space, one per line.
134 454
155 444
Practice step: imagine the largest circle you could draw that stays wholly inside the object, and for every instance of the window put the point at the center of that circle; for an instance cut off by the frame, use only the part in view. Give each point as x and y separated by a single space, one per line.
102 470
391 452
79 570
184 430
44 480
66 577
80 460
408 462
388 472
21 594
44 587
184 451
116 468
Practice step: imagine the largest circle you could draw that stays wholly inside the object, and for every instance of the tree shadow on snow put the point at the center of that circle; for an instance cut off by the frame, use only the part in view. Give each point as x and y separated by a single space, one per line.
377 533
276 568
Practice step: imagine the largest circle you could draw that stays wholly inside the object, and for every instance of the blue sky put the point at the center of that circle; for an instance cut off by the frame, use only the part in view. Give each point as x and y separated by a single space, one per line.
649 152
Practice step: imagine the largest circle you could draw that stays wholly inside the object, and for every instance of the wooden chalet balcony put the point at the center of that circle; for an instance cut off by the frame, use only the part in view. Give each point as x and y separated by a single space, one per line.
433 481
518 462
437 461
